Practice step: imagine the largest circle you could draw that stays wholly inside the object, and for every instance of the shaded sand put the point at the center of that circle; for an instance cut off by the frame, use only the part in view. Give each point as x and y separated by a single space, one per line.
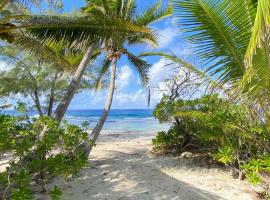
122 168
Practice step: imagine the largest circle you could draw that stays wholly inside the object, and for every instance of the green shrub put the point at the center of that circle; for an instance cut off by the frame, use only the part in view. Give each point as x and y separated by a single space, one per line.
166 140
256 167
235 136
37 156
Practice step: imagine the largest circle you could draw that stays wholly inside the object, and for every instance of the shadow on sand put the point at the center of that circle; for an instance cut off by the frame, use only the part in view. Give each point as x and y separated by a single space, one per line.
137 177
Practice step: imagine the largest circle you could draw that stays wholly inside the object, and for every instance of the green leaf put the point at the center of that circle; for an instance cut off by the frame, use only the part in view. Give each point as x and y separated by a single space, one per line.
55 193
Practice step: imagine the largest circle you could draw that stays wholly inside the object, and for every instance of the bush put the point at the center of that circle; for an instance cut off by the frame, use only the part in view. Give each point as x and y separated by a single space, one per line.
235 137
167 140
40 149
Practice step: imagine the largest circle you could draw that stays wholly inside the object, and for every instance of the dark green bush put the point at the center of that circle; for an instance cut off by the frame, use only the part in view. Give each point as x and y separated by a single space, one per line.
167 140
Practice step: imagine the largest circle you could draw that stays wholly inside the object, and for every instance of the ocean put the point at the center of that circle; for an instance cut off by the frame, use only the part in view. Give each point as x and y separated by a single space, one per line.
119 120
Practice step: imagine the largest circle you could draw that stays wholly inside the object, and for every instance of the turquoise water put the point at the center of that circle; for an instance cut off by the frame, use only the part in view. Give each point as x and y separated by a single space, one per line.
126 120
119 120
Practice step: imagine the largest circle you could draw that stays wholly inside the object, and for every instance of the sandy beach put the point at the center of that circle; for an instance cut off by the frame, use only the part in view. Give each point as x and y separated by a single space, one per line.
122 167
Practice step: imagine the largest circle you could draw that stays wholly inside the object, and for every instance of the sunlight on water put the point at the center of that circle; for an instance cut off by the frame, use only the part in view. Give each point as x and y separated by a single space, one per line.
119 120
125 120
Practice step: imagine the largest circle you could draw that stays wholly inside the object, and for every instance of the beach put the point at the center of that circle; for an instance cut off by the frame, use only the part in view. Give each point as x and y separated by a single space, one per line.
134 100
122 167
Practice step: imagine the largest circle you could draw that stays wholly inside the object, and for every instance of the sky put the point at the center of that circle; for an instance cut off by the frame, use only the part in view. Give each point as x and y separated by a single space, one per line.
129 93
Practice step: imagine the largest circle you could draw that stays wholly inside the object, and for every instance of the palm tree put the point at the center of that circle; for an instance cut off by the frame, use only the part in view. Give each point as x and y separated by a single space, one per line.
225 34
115 47
84 32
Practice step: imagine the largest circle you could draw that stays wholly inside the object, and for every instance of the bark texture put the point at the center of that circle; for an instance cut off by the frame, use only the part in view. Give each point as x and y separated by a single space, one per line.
51 99
73 86
96 131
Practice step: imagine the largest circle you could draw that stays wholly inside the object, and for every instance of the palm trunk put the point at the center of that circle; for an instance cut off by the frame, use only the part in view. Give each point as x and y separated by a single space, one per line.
73 86
96 131
71 90
51 99
107 107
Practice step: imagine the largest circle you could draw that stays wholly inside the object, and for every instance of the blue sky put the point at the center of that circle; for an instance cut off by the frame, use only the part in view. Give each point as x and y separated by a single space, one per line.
129 92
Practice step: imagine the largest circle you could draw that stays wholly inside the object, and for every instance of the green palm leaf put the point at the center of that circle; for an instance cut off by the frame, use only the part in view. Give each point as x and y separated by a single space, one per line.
256 80
79 31
261 28
45 53
140 65
101 73
153 14
220 32
178 61
3 3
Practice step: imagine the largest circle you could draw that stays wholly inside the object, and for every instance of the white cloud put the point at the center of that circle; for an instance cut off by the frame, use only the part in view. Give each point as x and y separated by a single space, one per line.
166 36
124 78
186 52
183 50
132 97
124 97
3 66
121 99
160 71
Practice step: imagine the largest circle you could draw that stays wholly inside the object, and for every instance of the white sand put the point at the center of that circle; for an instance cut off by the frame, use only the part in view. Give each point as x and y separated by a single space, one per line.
122 168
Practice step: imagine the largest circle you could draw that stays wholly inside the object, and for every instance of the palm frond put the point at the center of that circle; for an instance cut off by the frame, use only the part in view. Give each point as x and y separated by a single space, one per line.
153 14
74 58
104 68
140 65
118 5
141 38
44 53
3 3
256 81
96 6
260 31
130 9
78 31
220 32
178 61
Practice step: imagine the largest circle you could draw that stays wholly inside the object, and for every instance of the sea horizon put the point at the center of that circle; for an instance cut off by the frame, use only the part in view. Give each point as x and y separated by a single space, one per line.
119 120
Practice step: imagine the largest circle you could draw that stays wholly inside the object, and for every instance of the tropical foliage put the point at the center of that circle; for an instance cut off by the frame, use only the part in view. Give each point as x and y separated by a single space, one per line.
79 31
231 40
26 175
44 74
231 32
227 130
51 57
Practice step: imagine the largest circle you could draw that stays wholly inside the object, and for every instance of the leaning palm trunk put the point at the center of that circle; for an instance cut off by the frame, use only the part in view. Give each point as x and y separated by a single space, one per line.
71 90
73 86
96 131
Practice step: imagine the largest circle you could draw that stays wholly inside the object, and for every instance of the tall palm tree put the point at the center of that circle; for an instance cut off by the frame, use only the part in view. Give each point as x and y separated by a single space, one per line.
115 46
81 32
